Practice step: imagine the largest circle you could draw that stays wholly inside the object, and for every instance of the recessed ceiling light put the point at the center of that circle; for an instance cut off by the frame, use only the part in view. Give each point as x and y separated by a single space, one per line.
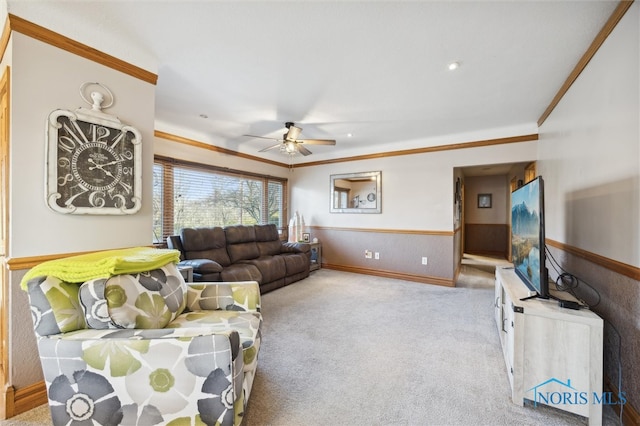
349 135
454 66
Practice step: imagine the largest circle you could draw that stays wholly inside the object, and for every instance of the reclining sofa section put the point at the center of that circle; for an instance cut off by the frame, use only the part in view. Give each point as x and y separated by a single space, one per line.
242 253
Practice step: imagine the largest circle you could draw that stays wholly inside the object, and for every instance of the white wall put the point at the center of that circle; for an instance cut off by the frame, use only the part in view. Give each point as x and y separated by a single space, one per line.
45 78
185 152
589 152
417 190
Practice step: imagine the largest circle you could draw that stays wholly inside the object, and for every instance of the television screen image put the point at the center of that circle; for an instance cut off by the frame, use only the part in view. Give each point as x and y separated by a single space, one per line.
527 236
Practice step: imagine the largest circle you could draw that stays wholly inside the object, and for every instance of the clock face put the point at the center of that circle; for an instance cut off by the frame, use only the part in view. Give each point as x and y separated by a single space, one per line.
94 165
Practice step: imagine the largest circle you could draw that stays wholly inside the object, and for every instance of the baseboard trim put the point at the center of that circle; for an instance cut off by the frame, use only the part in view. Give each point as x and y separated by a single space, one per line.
630 416
27 398
391 274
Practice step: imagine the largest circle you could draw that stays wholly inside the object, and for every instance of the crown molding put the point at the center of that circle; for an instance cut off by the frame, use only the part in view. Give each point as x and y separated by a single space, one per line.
448 147
428 149
209 147
22 26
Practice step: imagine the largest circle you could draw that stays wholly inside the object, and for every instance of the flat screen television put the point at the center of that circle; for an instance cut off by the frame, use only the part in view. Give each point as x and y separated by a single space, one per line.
527 236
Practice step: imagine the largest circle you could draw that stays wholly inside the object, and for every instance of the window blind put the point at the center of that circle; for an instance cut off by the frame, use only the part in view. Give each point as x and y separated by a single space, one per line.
190 195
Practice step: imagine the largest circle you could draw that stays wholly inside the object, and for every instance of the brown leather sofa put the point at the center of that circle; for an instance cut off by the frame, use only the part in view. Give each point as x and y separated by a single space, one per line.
242 253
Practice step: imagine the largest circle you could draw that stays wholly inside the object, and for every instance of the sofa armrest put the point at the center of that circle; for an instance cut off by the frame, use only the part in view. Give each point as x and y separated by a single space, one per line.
295 248
174 242
228 296
202 266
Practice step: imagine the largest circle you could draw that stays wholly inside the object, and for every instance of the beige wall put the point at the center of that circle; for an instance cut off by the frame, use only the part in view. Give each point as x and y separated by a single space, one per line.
589 156
588 152
45 78
417 196
417 190
498 187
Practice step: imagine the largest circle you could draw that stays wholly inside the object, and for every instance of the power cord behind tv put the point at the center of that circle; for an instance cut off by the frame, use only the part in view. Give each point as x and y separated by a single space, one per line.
568 282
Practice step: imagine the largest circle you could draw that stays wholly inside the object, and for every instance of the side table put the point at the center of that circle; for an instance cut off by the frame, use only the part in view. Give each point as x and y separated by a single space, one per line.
187 273
316 256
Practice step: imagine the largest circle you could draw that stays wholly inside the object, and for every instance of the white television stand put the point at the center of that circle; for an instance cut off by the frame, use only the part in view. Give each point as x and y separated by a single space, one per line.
553 354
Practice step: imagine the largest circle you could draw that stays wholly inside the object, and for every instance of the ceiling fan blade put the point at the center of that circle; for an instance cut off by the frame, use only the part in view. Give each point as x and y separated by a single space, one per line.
317 141
278 145
302 150
293 133
262 137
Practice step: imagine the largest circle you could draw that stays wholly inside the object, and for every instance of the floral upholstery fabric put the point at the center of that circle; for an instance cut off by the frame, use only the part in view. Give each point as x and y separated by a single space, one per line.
94 304
146 377
54 306
231 305
147 348
236 296
247 324
148 300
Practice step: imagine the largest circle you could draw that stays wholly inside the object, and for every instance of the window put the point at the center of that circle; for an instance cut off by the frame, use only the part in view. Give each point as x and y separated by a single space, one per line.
189 195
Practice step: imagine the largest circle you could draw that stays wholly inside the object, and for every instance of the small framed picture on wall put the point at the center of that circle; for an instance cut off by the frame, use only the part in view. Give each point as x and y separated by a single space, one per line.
484 201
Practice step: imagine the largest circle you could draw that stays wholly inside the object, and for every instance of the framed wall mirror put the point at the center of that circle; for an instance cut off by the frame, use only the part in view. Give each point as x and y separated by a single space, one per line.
356 192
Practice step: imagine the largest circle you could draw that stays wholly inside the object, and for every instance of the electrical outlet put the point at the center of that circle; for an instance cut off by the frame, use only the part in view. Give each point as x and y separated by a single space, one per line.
377 256
424 260
367 254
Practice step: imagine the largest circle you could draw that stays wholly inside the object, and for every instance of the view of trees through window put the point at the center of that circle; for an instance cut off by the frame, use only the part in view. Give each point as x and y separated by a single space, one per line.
189 196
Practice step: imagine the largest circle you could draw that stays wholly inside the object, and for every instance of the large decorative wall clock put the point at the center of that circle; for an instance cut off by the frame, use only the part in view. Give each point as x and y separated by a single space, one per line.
93 160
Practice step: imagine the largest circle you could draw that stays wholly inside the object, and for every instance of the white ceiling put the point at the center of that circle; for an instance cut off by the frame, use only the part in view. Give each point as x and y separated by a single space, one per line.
375 69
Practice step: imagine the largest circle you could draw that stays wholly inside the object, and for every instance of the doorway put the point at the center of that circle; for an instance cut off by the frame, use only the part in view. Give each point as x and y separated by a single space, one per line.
484 223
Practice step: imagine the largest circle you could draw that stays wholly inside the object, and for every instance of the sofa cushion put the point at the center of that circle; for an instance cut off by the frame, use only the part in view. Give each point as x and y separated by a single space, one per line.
268 240
205 243
241 243
54 306
235 296
296 263
241 272
272 268
147 300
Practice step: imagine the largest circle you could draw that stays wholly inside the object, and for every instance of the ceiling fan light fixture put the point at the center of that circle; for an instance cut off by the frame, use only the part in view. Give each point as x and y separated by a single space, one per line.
290 147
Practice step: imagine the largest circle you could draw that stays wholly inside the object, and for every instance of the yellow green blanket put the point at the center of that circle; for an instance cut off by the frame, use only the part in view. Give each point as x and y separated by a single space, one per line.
78 269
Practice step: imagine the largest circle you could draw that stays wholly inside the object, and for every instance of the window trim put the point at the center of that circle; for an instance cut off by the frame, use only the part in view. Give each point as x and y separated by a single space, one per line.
169 164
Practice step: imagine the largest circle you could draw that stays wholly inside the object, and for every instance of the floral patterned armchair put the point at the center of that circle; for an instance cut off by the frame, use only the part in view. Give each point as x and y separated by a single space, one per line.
146 348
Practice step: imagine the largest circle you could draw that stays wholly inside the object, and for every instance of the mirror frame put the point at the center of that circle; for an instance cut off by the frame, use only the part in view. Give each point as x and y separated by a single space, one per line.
373 176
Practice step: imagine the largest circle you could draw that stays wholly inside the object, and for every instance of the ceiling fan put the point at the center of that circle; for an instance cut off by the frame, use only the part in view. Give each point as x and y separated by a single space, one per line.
290 144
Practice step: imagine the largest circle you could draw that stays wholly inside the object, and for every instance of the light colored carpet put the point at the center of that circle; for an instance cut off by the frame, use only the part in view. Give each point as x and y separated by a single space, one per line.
350 349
